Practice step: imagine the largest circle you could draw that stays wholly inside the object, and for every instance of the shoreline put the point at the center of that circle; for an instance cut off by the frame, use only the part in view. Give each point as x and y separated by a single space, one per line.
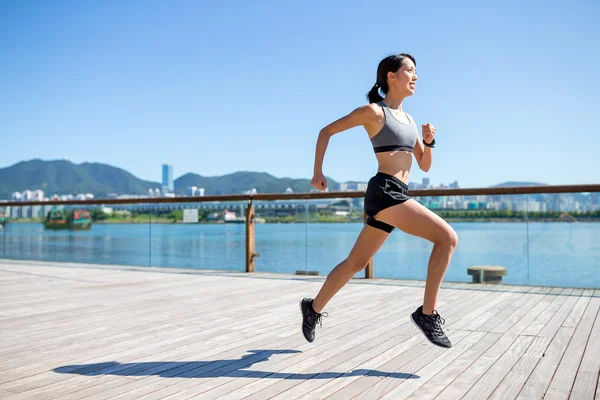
310 222
326 220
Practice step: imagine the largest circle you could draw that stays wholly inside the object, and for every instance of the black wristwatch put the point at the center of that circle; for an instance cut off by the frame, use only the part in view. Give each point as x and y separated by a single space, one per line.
432 144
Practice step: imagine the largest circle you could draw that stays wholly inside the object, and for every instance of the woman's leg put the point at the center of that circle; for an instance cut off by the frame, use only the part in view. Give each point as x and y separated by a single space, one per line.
368 242
413 218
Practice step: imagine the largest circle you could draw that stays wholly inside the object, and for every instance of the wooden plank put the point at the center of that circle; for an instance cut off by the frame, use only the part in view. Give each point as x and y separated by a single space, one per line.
351 369
467 379
485 385
409 386
574 317
385 364
104 351
318 367
558 318
191 387
397 371
542 318
563 379
96 391
509 314
587 373
512 384
5 394
141 392
249 389
326 359
374 385
149 324
444 378
177 385
467 318
493 314
539 380
516 320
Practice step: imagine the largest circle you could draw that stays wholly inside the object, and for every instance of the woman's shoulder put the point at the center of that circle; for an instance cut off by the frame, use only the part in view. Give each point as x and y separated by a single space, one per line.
370 112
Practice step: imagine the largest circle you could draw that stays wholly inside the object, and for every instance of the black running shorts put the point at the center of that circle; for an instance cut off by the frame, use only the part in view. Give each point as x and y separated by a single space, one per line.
383 191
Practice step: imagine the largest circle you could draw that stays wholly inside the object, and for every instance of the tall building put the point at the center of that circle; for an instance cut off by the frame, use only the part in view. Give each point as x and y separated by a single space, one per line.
167 178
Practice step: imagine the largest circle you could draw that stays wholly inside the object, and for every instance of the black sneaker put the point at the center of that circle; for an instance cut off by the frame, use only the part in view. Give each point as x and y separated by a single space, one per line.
431 326
310 319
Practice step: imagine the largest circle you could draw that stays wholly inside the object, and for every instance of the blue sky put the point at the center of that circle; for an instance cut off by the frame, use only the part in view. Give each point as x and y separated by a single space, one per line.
512 87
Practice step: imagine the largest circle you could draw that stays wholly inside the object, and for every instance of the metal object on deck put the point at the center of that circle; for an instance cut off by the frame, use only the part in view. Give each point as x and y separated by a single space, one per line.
302 272
487 273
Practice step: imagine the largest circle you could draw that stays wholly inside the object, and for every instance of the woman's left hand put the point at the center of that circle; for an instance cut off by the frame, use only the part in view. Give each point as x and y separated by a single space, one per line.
428 132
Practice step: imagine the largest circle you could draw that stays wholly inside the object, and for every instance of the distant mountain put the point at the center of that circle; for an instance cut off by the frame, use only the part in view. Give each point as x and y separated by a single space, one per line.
65 177
542 197
516 183
244 180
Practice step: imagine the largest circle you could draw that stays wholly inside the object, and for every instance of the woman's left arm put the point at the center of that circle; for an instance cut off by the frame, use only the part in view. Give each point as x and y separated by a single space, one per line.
423 153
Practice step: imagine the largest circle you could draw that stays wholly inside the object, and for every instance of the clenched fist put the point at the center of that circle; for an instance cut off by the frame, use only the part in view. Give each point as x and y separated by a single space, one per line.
319 181
428 132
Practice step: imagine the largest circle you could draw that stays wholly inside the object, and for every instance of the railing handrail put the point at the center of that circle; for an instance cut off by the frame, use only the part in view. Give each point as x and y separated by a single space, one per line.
500 190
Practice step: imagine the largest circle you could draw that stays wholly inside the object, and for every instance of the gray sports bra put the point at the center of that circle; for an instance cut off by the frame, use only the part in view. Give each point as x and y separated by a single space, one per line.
394 135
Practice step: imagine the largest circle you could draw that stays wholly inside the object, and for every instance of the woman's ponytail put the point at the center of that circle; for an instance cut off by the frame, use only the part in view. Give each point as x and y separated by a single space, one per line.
373 95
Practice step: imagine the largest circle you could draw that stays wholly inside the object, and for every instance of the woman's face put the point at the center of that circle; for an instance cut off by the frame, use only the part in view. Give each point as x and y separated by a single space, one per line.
405 79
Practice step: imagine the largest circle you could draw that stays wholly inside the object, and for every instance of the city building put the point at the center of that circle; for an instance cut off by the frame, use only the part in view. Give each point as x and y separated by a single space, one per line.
167 178
353 186
194 191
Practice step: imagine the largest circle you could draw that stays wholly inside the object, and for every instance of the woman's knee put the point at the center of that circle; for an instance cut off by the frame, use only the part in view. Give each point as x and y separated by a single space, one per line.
357 262
449 238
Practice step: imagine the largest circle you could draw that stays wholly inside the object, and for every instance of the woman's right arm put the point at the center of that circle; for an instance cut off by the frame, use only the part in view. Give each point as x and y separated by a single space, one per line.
364 115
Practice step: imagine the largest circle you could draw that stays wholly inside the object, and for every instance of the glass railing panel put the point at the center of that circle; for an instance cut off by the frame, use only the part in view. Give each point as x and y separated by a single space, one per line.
199 235
564 239
334 226
119 234
281 229
492 231
28 235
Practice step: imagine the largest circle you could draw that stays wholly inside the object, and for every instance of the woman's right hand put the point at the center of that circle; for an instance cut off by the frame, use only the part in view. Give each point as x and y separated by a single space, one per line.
319 181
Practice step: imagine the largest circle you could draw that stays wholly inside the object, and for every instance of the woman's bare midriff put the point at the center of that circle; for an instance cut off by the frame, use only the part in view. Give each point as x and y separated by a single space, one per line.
396 163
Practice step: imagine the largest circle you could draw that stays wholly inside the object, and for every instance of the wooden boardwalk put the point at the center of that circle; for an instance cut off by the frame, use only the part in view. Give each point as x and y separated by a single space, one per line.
70 332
